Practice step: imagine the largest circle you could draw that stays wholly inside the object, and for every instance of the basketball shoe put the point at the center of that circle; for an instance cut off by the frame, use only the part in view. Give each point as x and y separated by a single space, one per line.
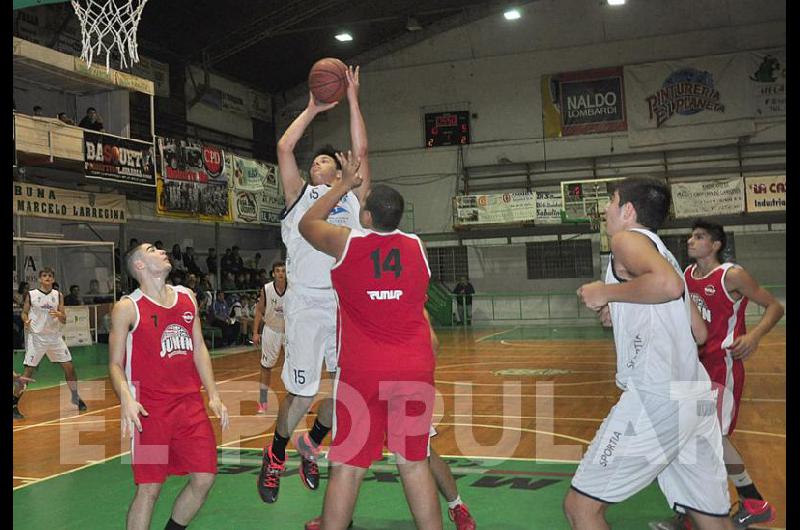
269 479
309 453
461 516
752 511
78 402
679 522
261 409
17 414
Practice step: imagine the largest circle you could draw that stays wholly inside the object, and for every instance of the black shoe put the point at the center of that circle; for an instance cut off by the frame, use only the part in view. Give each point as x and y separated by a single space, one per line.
17 414
269 479
79 403
309 452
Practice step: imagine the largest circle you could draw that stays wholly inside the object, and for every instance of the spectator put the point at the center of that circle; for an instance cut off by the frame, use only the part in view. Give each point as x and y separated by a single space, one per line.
228 282
464 290
226 263
74 296
94 288
263 278
117 259
237 263
19 327
205 294
252 263
62 116
92 120
189 261
133 243
211 261
219 316
159 245
37 111
176 258
241 284
19 296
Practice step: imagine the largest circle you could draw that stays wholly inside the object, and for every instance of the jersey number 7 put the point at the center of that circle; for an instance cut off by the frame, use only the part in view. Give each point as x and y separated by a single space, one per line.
391 263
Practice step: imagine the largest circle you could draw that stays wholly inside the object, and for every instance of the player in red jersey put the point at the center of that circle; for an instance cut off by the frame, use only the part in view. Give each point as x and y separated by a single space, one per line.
157 363
721 292
386 361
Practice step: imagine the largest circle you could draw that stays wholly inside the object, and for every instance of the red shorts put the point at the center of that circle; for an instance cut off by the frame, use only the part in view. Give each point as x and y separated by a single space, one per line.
176 439
727 377
364 403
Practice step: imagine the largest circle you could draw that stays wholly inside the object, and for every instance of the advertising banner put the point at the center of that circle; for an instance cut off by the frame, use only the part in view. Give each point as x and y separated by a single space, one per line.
494 209
766 194
257 195
119 159
76 329
56 203
586 102
767 77
548 207
701 199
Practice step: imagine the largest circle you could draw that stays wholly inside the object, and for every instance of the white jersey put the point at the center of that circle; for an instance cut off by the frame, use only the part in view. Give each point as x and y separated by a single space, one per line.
656 351
41 305
273 308
306 266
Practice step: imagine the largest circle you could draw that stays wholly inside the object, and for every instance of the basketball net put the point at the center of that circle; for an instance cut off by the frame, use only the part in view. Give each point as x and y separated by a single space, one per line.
109 25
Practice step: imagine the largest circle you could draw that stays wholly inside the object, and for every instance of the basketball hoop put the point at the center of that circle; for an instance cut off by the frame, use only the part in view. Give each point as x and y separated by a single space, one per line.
109 25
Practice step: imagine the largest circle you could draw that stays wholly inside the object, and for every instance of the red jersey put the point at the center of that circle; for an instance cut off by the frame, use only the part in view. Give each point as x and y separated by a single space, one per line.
159 359
724 316
381 284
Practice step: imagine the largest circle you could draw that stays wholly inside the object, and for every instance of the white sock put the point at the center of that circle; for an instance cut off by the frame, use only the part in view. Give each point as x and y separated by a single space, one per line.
740 480
455 503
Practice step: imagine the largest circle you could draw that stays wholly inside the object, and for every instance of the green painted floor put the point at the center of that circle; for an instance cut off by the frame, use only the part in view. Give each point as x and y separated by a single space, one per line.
509 495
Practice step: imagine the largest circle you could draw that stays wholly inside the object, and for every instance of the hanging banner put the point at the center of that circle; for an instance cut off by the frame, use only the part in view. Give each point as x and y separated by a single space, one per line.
119 159
766 194
689 100
701 199
494 209
56 203
194 180
548 207
257 195
76 329
586 102
767 77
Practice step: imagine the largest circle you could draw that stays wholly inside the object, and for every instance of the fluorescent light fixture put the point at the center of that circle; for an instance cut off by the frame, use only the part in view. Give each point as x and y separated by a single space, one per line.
616 2
512 14
344 37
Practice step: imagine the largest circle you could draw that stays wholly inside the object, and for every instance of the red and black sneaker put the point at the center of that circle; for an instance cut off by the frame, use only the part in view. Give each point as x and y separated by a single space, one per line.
269 479
461 516
309 453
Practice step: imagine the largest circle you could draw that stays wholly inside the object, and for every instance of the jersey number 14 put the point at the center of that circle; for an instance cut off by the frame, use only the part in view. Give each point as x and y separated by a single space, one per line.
391 263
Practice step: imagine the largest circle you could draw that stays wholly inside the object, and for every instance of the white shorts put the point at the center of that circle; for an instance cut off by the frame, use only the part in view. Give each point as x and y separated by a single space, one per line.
310 338
37 346
645 437
271 342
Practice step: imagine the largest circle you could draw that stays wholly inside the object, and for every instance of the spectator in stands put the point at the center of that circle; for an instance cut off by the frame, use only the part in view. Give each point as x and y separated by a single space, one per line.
211 261
117 259
189 261
133 243
228 282
192 282
176 258
237 261
252 263
205 293
464 290
240 309
94 288
159 245
241 282
74 296
219 316
262 279
19 296
92 120
38 111
62 116
226 263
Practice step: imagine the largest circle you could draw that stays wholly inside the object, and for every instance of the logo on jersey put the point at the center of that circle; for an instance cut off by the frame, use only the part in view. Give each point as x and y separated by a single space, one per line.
176 341
385 295
710 290
705 311
188 317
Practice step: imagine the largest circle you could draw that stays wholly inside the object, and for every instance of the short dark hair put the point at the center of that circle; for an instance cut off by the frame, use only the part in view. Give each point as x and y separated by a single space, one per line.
130 256
36 107
73 286
328 150
715 230
277 264
47 270
650 198
91 109
386 206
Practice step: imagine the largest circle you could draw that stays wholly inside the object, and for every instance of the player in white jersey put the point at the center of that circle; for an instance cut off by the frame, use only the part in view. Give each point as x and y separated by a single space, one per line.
310 303
269 312
43 316
664 425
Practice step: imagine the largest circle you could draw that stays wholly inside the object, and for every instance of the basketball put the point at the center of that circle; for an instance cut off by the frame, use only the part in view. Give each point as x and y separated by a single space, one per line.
328 80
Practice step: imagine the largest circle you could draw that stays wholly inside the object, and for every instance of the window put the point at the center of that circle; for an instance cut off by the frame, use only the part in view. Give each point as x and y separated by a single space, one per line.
560 259
448 263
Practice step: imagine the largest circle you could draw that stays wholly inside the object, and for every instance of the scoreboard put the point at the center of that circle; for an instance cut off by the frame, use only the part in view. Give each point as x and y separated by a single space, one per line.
447 128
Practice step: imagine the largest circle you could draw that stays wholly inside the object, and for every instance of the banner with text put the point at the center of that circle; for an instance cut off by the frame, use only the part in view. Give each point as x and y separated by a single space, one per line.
193 181
494 209
257 195
76 330
548 207
766 194
590 101
119 159
689 100
701 199
56 203
767 76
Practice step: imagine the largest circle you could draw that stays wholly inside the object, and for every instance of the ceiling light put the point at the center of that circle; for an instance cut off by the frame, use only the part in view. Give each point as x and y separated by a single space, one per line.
512 14
344 37
616 2
412 24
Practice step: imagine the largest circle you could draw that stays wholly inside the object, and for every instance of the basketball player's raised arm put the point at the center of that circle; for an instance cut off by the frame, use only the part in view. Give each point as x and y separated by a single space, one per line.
259 314
358 133
287 163
123 316
650 277
739 280
315 228
202 361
